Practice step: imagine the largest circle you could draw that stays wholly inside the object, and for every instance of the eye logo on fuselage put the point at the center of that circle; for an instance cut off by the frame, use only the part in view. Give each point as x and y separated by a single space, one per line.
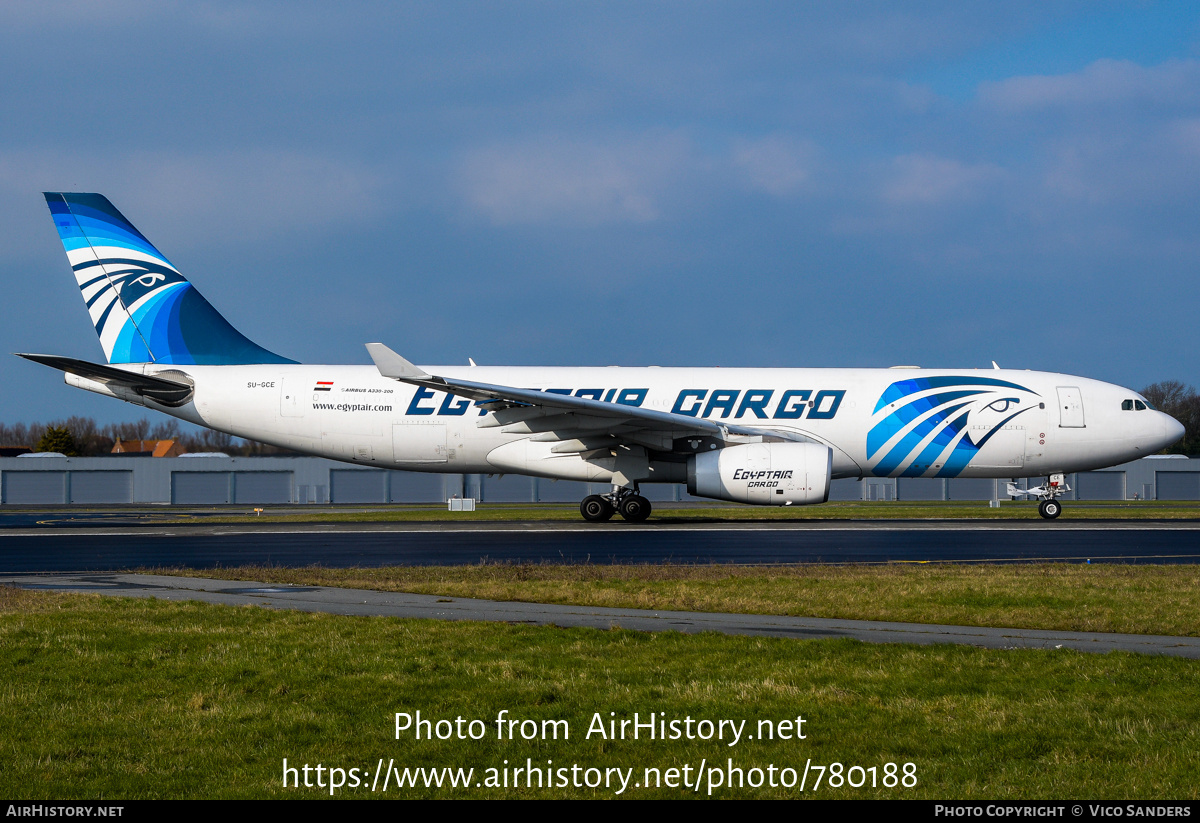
932 414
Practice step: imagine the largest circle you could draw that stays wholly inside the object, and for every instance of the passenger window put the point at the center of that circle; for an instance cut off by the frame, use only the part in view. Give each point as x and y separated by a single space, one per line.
1139 405
1126 405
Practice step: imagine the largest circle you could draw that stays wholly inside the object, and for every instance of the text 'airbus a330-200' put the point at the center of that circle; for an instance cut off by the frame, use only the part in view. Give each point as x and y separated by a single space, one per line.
773 437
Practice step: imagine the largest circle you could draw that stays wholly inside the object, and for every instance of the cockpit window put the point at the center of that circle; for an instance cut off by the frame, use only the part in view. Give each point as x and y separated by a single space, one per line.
1139 405
1126 405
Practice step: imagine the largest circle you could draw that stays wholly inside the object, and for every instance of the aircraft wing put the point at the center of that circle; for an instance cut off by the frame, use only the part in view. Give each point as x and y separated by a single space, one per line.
579 424
156 388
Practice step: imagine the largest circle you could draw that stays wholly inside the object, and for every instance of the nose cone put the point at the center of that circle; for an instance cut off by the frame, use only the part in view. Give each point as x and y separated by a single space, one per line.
1163 430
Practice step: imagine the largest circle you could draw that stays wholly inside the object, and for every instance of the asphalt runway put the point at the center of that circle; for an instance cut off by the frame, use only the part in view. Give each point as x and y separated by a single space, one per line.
24 551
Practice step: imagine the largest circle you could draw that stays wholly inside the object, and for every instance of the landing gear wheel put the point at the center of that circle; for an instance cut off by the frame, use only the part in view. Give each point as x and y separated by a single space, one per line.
596 509
635 508
1049 509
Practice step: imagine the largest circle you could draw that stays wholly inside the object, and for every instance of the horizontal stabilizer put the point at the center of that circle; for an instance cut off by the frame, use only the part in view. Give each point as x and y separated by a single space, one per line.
168 392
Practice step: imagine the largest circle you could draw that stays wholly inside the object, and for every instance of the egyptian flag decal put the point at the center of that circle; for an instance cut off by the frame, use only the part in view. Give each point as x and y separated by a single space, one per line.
324 385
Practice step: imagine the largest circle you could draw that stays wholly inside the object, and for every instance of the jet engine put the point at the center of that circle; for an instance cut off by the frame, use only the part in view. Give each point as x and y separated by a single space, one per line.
768 474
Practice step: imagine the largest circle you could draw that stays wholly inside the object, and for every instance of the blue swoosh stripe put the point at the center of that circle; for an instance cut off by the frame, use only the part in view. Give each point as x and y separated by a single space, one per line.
885 429
964 450
910 441
903 388
932 451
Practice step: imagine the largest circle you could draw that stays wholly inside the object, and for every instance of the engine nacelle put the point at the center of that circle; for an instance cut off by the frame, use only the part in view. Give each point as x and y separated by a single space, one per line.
769 474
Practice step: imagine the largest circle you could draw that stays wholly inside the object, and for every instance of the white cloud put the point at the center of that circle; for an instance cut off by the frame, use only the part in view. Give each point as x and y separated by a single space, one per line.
1156 166
561 180
777 164
1115 145
241 194
925 179
1102 83
1185 135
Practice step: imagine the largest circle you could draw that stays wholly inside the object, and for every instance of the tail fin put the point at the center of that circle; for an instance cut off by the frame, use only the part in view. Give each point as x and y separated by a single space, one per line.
143 309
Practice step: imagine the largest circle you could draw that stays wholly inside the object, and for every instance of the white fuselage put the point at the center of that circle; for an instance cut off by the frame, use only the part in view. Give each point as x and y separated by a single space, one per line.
878 422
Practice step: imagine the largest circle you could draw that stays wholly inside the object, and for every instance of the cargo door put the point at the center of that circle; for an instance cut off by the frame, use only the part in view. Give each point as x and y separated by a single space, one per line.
1005 449
419 442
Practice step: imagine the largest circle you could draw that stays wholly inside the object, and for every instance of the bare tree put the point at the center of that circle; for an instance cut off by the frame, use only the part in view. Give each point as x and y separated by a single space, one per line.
165 430
1181 402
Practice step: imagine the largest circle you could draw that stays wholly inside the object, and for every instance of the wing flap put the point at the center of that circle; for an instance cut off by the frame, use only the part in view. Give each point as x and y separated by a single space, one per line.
525 410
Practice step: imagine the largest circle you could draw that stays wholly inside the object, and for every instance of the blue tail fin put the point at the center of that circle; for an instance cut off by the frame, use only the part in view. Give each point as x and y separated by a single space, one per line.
143 309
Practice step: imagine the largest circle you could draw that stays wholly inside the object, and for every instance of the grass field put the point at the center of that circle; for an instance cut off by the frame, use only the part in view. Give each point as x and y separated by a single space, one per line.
116 698
1074 597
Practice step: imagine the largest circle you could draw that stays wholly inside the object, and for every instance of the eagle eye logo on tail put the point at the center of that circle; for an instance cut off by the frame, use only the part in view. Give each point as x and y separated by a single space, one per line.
941 423
143 309
149 280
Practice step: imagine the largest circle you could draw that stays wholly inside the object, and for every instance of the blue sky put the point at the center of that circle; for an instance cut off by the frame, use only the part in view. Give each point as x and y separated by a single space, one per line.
757 184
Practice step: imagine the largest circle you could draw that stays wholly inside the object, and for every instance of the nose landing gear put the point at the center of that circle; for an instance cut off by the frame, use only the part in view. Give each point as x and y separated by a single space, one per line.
1054 487
1049 509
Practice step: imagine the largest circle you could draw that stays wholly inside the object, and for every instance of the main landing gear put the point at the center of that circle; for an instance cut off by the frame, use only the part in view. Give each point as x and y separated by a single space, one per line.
600 507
